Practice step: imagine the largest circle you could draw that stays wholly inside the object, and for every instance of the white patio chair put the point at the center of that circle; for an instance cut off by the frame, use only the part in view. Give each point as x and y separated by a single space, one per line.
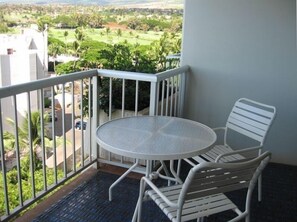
202 193
248 120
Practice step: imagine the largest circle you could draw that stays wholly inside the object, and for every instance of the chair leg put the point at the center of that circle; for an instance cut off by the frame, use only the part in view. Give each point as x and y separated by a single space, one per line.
260 188
178 167
140 200
247 218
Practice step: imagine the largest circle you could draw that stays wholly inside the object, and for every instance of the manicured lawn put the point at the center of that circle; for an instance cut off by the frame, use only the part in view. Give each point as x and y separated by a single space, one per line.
132 36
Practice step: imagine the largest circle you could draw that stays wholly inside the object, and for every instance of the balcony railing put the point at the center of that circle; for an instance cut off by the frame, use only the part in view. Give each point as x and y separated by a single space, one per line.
44 141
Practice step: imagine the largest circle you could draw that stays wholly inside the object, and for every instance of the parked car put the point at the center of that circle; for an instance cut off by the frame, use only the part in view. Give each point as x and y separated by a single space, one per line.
80 124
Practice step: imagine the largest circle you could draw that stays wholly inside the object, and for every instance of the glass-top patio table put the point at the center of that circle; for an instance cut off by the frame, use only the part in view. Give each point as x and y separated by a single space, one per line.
154 138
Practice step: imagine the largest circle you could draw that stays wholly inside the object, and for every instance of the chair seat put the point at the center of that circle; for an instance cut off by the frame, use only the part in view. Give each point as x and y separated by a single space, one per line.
196 208
217 150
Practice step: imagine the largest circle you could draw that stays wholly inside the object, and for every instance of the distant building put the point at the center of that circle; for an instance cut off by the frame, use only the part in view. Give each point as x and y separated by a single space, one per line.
23 58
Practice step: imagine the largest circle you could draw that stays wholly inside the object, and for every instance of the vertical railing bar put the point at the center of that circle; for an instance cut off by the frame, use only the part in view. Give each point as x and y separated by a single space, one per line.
63 132
94 117
162 99
110 98
110 107
174 95
53 104
31 153
136 102
182 82
177 88
123 97
90 118
136 97
16 133
167 95
123 105
171 95
3 166
81 118
72 126
42 135
155 89
154 101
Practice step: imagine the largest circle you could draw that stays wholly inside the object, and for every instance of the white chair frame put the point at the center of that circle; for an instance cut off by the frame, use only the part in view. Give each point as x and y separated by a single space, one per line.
248 118
202 193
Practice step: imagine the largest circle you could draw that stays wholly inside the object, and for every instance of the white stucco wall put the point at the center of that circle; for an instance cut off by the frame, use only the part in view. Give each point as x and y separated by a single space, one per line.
14 69
243 48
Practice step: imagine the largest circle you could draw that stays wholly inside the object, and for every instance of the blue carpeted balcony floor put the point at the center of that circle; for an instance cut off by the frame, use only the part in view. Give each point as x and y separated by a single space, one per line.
89 201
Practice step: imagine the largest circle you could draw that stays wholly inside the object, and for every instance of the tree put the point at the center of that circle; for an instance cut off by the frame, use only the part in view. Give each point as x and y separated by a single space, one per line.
23 131
117 57
134 23
26 178
44 22
65 36
96 21
65 21
119 33
68 67
3 28
79 34
54 50
167 44
3 24
107 30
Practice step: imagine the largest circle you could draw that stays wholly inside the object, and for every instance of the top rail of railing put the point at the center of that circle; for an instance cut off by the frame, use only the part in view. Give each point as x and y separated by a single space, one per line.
142 76
6 91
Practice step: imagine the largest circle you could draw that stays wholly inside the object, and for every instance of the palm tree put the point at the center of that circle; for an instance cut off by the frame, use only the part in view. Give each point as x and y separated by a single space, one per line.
119 33
54 49
65 36
79 34
23 133
107 30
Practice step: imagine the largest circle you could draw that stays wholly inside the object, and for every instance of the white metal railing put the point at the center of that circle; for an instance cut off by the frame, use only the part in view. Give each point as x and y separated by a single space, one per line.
166 98
62 150
57 159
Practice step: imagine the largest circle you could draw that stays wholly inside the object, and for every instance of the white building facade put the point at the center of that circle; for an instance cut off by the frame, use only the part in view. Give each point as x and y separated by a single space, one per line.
23 58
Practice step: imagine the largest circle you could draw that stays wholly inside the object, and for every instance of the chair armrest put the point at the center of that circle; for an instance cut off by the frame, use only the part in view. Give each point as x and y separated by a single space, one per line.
245 150
156 189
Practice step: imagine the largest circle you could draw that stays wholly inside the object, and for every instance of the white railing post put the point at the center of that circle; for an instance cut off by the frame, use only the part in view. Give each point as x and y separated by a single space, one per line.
153 99
94 122
182 92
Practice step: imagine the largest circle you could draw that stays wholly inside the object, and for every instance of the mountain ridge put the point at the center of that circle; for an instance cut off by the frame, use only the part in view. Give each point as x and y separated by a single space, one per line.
94 2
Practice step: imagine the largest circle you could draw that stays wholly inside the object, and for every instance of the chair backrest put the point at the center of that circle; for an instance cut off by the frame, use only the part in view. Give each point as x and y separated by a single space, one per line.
251 118
211 178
